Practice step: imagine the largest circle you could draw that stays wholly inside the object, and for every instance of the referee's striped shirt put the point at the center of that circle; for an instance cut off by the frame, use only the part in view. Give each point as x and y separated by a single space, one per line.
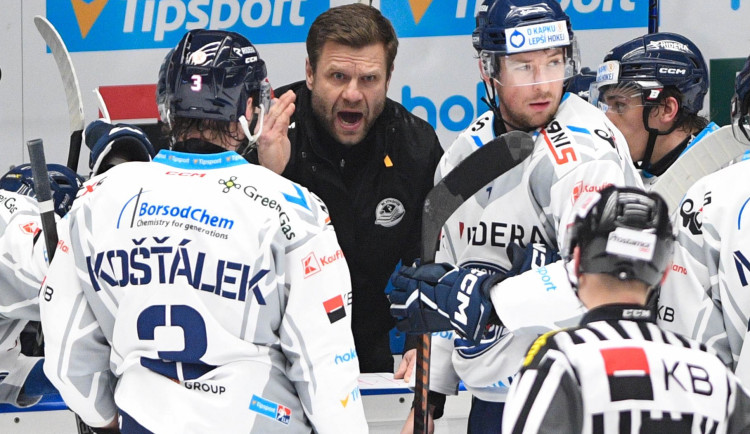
620 373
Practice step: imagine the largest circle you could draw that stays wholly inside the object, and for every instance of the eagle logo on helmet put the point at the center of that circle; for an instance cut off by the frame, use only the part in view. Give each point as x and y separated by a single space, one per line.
203 55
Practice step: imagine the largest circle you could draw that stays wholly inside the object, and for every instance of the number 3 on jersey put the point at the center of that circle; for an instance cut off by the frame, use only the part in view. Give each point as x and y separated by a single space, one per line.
193 328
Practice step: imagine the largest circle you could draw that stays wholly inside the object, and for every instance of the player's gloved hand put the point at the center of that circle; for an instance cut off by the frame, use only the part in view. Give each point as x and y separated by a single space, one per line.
534 255
112 144
438 297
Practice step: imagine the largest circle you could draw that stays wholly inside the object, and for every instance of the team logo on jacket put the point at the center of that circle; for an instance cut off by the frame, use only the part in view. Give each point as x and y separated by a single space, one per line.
628 374
334 308
389 212
271 409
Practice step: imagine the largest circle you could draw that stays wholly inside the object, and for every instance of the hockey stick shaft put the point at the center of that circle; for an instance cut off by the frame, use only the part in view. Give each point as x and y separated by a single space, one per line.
70 82
43 193
653 16
480 168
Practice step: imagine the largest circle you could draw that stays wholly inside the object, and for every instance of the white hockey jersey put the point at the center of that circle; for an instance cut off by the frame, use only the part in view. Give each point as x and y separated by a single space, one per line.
200 293
619 373
22 269
579 151
650 180
706 293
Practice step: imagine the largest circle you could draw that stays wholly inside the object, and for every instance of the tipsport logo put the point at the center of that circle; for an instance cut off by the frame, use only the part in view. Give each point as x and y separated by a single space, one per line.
104 25
417 18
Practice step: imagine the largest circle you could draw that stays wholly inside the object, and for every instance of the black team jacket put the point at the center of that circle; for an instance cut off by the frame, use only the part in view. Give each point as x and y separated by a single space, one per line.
374 193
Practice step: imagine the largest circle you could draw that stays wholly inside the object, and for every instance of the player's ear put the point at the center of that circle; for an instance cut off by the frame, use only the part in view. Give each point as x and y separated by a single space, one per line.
669 108
308 73
482 71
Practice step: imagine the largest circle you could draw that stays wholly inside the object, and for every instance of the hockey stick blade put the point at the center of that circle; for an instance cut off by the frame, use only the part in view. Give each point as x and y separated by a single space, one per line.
476 171
70 82
711 153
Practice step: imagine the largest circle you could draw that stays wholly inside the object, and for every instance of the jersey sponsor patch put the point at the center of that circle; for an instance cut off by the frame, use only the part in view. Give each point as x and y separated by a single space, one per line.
271 409
581 188
310 265
559 143
389 212
30 228
334 308
313 264
229 184
537 37
628 373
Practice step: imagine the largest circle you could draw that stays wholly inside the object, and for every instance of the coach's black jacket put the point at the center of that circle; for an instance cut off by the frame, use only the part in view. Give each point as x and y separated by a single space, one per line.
394 165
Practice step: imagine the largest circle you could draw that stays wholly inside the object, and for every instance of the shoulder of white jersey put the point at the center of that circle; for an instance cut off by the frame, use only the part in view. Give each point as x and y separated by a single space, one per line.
704 156
12 203
469 140
578 133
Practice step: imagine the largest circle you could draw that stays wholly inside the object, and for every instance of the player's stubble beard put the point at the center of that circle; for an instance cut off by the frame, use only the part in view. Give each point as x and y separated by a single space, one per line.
516 119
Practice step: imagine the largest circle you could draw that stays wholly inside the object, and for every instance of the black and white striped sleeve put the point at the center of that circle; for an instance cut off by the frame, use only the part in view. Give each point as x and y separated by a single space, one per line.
545 397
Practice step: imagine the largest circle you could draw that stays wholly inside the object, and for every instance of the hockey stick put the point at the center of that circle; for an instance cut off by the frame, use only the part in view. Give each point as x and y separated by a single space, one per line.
43 193
653 16
476 171
70 82
707 155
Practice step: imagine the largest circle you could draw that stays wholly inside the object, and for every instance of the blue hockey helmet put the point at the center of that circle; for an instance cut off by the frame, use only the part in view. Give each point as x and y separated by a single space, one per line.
211 74
481 21
649 63
741 105
517 26
64 184
624 232
580 83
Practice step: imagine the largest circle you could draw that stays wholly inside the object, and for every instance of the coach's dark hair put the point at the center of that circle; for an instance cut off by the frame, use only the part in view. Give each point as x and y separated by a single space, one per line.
354 25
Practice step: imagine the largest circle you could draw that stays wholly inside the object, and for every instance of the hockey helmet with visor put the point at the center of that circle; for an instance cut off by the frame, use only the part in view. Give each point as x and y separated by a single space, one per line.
516 27
634 74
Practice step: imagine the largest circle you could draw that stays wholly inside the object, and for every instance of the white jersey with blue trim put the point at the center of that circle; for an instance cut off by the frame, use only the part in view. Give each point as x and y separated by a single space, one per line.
650 179
706 293
22 268
200 293
578 151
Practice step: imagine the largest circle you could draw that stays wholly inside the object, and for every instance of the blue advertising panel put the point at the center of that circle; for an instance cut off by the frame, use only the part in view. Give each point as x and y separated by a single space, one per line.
104 25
